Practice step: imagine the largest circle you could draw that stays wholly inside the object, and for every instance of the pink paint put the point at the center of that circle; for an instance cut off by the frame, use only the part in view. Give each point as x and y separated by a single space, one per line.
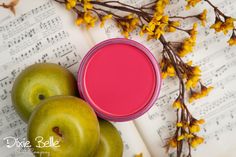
120 79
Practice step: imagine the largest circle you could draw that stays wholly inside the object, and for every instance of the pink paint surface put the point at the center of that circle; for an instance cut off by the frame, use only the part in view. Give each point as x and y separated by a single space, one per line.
119 79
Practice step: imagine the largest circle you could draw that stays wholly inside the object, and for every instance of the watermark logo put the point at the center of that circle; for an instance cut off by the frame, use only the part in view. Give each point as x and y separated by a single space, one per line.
40 142
12 141
25 146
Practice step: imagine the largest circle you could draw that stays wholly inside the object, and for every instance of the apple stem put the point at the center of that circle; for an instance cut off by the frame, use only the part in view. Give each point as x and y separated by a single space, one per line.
41 97
57 131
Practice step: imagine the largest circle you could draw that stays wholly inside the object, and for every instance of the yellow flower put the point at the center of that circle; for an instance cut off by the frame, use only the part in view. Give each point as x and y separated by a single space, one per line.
200 121
181 137
194 128
189 84
156 18
171 29
158 33
128 24
160 6
189 43
165 19
189 135
200 140
194 96
217 26
157 26
205 90
228 25
190 63
89 19
232 40
164 75
134 22
167 68
197 95
172 143
130 16
203 17
87 6
171 70
172 26
192 81
179 124
79 21
175 23
192 3
70 4
191 99
125 34
196 141
225 26
177 104
151 26
196 70
193 33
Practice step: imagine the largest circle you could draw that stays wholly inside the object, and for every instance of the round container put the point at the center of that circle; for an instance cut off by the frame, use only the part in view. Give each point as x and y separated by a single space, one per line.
120 79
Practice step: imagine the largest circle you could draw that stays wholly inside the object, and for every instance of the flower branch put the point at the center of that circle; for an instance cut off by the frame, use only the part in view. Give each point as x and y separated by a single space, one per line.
152 22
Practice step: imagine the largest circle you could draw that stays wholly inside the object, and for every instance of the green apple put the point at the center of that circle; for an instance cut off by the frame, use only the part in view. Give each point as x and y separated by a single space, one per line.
63 126
111 144
38 82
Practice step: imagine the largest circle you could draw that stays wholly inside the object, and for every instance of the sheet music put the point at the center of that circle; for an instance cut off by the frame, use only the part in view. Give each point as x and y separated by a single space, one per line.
218 63
43 31
132 141
36 34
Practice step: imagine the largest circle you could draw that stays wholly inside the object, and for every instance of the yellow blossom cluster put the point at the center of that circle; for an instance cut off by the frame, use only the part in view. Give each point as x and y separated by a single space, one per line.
189 43
83 17
156 27
203 17
160 6
232 40
194 140
193 126
128 24
70 4
192 3
86 18
172 143
224 26
159 23
167 69
197 95
193 77
172 26
177 104
189 133
87 5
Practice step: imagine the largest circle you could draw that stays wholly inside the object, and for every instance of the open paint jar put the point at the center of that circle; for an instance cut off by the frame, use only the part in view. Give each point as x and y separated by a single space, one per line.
120 79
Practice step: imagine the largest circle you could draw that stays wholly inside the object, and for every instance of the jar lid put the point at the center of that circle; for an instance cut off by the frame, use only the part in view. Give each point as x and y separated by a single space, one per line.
120 79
